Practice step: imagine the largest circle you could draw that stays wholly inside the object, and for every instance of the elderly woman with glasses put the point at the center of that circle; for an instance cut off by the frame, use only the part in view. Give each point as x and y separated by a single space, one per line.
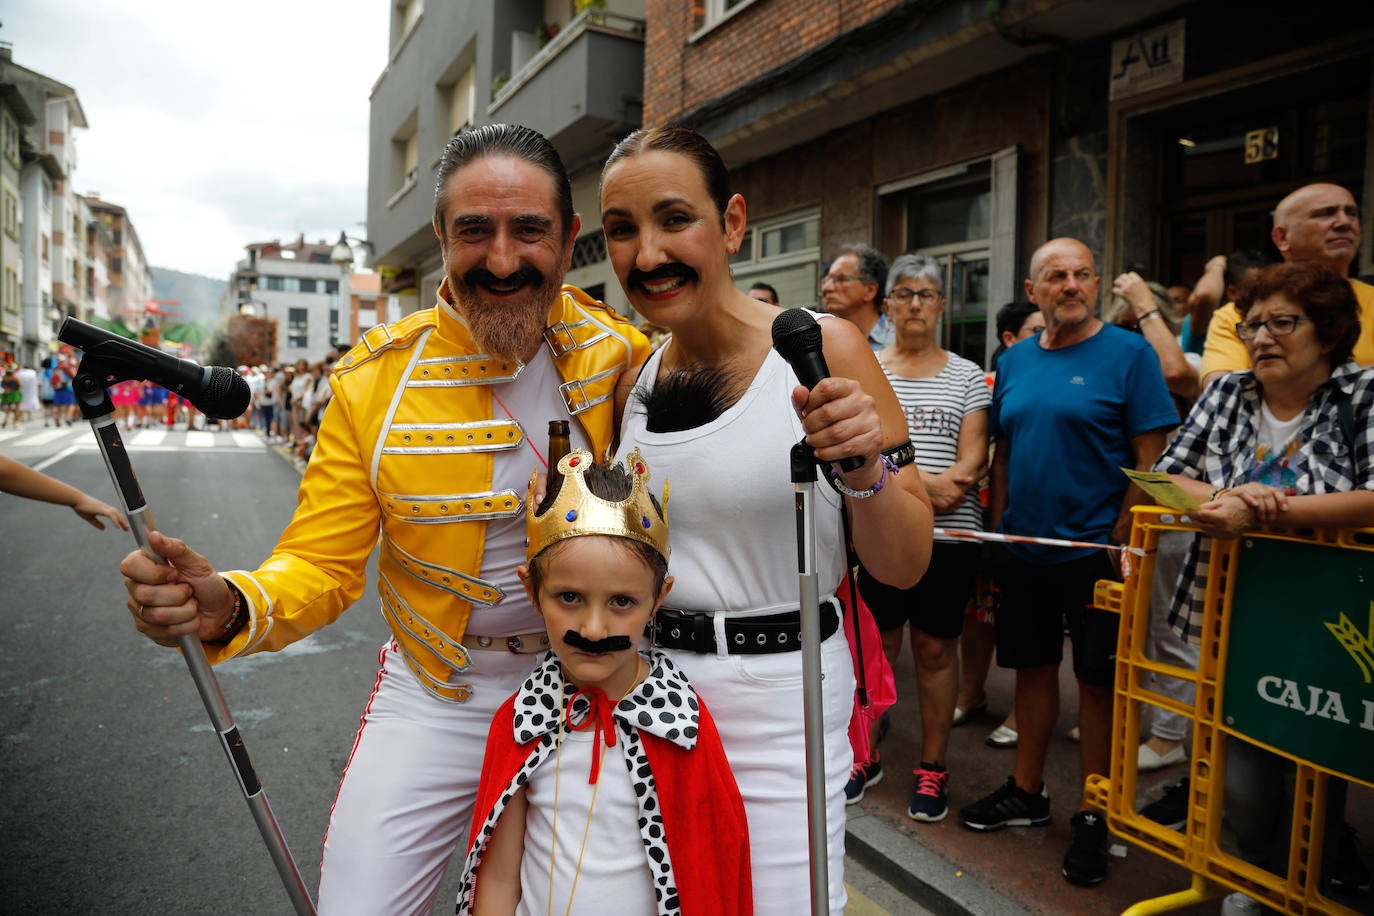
1286 443
945 399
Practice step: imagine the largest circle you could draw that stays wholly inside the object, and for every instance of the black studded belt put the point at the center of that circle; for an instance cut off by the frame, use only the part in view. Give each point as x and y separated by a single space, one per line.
671 628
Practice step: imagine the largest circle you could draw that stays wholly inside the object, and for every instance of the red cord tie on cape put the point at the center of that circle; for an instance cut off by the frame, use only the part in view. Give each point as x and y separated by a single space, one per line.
598 717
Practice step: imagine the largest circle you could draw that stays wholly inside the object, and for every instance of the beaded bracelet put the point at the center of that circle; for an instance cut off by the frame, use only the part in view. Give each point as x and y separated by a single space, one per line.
838 484
235 621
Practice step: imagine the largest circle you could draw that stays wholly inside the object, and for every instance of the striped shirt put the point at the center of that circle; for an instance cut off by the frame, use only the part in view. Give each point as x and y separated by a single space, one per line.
935 408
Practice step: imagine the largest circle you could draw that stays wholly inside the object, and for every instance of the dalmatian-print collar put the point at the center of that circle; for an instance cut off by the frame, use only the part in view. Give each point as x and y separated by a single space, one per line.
662 704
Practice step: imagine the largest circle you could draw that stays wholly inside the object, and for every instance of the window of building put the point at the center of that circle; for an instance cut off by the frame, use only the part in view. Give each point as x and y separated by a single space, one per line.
785 253
43 247
298 328
965 217
333 325
405 157
274 284
11 140
116 265
47 195
11 291
331 287
11 214
307 285
409 13
709 12
457 103
291 284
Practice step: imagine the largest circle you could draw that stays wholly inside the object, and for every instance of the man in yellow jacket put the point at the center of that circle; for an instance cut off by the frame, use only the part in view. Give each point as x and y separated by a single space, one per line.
424 452
1317 222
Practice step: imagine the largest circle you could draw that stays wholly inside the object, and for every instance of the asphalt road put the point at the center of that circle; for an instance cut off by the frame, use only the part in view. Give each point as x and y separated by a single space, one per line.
117 797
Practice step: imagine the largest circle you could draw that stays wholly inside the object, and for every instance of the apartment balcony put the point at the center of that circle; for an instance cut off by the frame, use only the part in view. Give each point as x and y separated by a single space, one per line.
584 89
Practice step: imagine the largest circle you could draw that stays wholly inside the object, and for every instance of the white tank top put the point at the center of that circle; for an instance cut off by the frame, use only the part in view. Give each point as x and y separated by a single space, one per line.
534 400
731 513
611 870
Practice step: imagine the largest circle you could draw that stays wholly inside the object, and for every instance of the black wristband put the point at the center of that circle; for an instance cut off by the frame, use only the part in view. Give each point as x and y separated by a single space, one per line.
901 455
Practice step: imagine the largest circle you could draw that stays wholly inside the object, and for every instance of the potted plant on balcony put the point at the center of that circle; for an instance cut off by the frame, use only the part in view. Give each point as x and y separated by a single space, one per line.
580 6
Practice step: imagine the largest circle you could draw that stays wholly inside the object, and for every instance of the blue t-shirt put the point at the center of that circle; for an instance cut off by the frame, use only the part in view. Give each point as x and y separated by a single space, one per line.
1068 417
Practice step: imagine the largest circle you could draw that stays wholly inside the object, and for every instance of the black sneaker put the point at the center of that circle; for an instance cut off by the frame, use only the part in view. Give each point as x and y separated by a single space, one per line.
1349 873
1086 861
1171 809
930 798
1009 806
862 777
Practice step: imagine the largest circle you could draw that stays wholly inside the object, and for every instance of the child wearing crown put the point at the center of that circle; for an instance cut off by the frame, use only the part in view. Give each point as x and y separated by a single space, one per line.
605 787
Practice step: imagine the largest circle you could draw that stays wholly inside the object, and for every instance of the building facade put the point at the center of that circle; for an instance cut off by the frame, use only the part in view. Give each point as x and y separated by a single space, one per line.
49 285
574 74
128 285
15 117
1160 133
297 287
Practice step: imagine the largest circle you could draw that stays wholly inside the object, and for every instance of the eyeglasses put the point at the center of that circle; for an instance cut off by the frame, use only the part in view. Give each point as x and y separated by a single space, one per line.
1278 326
841 278
903 296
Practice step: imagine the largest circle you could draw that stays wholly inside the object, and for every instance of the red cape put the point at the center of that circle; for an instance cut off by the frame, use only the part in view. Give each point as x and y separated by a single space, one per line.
703 814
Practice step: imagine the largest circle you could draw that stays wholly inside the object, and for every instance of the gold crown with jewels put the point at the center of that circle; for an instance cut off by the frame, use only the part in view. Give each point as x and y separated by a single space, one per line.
577 511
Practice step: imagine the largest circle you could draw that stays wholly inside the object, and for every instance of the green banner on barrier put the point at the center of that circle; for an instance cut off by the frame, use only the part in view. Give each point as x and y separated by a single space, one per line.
1300 667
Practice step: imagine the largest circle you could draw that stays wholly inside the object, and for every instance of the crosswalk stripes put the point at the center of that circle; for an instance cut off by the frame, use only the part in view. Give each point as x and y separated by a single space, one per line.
157 438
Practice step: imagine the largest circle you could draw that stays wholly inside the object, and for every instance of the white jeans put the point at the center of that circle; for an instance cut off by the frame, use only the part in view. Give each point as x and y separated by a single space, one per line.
756 701
407 793
1164 644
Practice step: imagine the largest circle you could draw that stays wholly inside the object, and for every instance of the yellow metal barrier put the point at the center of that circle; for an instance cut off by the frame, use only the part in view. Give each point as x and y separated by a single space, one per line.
1197 846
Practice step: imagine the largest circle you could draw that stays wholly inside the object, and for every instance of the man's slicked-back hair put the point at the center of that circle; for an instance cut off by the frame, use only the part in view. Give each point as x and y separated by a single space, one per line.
473 143
685 142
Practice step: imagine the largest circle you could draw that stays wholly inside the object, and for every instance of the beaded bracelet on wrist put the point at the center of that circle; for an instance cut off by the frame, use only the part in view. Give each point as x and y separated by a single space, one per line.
235 621
884 461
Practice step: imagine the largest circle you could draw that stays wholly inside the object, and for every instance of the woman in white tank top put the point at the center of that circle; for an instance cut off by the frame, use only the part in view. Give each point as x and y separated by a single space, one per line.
716 413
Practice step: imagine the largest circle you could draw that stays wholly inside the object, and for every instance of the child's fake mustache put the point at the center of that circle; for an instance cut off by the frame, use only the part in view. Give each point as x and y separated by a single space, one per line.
597 646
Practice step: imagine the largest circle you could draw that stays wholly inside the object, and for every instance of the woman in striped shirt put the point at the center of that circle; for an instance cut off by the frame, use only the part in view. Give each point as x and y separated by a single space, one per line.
946 401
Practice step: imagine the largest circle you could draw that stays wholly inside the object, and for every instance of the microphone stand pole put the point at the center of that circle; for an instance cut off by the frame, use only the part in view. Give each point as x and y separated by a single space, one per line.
804 482
89 387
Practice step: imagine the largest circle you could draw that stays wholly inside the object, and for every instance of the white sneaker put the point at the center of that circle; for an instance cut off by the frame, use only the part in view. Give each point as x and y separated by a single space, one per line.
1239 904
1148 760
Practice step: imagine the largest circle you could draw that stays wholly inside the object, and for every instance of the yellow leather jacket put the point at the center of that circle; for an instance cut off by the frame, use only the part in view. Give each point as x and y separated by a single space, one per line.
403 460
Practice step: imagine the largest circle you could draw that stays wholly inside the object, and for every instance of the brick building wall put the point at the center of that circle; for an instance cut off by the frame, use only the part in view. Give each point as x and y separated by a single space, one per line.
680 75
842 169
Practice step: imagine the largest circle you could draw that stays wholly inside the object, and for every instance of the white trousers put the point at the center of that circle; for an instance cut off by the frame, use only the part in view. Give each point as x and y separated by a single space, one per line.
756 701
407 793
1164 644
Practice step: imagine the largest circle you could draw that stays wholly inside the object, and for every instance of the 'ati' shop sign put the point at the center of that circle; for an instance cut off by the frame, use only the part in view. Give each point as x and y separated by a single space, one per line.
1300 667
1147 60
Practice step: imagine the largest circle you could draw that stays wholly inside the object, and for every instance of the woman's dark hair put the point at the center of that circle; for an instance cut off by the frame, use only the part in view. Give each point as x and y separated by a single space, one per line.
685 142
473 143
1324 296
610 482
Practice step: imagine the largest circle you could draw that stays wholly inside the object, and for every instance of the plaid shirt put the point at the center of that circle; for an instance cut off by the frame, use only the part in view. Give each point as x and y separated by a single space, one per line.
1218 442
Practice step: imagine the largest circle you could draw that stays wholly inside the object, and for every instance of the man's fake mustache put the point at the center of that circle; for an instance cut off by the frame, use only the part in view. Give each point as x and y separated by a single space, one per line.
480 276
597 646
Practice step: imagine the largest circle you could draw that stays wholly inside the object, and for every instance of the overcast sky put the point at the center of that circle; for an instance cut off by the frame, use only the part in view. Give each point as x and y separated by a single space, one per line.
215 124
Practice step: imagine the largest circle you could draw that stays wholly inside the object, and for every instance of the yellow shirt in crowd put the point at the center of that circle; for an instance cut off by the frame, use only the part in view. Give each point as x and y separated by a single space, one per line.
1224 351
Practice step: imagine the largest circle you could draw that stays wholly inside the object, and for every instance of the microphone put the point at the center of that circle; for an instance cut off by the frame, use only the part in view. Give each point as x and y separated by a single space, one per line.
216 391
797 338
